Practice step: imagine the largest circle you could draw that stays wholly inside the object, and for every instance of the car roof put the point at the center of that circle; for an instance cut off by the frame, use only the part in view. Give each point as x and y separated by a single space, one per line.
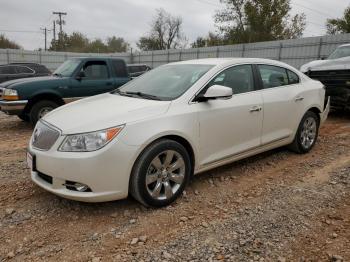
231 61
97 58
24 64
344 45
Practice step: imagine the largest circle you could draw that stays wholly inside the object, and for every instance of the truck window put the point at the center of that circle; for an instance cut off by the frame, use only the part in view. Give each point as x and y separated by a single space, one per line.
7 70
120 68
95 70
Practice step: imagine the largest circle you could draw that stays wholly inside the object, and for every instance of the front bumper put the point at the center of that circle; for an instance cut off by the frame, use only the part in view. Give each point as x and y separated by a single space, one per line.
325 112
106 171
13 107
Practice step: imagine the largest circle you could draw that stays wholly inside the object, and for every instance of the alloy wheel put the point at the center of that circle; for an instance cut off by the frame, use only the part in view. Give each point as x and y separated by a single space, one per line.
308 132
165 175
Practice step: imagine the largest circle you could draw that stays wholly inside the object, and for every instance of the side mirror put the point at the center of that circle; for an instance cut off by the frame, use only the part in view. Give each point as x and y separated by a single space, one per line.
216 92
80 75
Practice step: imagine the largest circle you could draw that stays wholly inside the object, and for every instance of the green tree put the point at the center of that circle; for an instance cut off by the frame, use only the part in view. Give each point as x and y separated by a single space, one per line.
166 33
210 40
7 43
97 46
244 21
78 42
117 44
340 25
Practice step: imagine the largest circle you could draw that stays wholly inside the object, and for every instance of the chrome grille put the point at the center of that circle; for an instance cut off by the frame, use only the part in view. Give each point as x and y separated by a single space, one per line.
44 136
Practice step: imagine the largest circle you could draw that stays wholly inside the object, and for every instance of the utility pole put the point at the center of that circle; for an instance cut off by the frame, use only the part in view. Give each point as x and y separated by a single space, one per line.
45 33
60 20
54 31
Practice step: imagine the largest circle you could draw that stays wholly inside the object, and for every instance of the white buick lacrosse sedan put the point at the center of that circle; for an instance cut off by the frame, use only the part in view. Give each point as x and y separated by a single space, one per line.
150 136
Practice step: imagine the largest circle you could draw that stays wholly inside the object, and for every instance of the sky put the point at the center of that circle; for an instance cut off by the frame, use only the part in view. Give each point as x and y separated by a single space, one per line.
21 20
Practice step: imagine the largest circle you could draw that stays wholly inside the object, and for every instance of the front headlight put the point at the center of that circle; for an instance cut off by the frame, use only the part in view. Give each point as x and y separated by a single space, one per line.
88 142
10 94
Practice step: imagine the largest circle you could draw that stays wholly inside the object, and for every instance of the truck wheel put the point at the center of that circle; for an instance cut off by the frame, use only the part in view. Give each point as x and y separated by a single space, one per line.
40 109
24 117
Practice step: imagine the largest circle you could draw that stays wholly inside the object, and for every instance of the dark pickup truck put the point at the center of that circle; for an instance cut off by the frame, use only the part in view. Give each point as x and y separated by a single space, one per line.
32 98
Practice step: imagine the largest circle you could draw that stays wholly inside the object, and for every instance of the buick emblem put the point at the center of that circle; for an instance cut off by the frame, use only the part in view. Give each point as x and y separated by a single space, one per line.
36 134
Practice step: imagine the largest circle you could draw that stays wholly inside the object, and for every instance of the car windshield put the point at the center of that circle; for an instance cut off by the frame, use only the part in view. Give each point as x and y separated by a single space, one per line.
340 52
166 82
67 68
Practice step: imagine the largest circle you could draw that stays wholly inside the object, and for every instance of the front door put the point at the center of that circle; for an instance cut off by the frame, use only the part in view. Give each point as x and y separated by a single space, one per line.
93 78
231 126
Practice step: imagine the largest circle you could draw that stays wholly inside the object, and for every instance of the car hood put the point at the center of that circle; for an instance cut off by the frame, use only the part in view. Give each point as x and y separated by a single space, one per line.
322 65
28 80
103 111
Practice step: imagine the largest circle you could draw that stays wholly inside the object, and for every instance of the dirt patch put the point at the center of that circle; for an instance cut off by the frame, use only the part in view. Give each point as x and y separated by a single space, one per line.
274 206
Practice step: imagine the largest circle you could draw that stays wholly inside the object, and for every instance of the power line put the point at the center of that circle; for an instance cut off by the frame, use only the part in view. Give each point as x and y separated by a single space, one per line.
61 22
311 9
19 31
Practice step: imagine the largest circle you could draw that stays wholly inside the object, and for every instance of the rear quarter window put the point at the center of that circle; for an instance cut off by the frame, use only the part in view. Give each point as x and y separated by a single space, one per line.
120 68
293 78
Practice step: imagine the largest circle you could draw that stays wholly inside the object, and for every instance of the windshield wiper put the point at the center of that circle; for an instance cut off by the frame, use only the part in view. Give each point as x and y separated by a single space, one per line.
139 94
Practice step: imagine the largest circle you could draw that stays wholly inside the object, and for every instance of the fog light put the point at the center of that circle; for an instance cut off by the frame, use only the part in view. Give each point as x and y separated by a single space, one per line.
76 186
81 187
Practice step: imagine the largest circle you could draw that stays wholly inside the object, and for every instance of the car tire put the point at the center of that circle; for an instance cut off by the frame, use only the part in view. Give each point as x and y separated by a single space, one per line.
307 133
160 173
41 108
24 117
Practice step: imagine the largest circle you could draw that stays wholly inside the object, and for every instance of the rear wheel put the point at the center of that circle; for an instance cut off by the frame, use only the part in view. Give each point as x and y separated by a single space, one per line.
160 174
307 133
40 109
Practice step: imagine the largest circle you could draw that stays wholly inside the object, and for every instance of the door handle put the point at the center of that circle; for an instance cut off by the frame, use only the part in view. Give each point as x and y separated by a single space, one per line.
299 98
255 109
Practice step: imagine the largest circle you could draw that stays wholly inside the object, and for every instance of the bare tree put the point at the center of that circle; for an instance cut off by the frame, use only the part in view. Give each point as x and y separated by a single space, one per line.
166 33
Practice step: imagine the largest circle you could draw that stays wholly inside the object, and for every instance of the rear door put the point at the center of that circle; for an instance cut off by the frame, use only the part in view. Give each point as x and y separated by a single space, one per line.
7 73
120 73
96 79
232 126
282 102
24 71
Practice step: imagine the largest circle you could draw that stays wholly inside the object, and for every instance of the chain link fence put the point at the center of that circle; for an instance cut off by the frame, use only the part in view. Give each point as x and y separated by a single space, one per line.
295 52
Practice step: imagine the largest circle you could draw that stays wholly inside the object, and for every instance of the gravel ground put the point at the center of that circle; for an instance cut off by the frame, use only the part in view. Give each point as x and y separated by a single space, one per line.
277 206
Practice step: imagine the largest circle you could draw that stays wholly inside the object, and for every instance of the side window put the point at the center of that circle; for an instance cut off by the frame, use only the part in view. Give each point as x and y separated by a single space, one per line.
7 70
293 77
239 78
120 68
95 70
24 70
273 76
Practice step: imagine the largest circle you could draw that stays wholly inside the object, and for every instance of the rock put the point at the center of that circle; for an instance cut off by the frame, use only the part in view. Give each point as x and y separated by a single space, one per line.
281 259
205 224
196 192
132 221
114 215
9 211
336 258
96 259
134 241
11 254
183 219
334 235
143 238
166 255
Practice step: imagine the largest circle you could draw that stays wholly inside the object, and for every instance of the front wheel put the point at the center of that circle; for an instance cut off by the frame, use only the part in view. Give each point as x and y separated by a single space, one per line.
160 174
40 109
307 133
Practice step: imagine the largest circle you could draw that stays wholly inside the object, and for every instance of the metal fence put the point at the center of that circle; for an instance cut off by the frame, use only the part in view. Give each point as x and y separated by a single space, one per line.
295 52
